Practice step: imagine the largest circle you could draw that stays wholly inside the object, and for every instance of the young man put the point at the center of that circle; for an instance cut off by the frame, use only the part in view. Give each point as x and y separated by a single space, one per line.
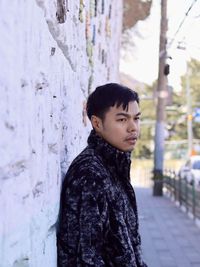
98 222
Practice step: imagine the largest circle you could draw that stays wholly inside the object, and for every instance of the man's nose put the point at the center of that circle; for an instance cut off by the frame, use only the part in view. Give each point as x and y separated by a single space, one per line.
132 126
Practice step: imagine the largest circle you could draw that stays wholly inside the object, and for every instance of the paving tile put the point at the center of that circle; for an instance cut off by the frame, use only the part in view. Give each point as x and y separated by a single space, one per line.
169 237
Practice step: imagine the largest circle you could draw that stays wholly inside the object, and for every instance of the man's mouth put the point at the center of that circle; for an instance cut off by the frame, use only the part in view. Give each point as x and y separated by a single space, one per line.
131 139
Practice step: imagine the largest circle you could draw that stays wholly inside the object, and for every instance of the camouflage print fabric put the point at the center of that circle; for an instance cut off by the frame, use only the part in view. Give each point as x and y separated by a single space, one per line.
98 221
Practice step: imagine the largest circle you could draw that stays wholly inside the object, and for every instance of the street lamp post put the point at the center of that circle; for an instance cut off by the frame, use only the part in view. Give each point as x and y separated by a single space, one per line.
188 102
161 103
189 112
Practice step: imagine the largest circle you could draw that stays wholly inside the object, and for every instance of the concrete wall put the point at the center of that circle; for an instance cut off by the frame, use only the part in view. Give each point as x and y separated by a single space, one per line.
47 70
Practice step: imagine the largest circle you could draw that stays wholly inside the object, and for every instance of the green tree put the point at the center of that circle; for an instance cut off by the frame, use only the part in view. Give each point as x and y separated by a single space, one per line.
176 117
176 112
194 76
148 110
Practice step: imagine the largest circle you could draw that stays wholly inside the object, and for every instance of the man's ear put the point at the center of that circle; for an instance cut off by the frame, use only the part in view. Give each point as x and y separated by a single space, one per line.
96 123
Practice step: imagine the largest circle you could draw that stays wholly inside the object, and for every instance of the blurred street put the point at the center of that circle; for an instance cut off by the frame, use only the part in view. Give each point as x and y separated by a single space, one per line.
169 237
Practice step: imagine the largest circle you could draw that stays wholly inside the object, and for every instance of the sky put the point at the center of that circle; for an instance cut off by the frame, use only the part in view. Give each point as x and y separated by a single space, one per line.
141 61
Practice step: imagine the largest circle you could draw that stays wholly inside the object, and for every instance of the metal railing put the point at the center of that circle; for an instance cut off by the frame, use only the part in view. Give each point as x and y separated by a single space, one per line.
184 193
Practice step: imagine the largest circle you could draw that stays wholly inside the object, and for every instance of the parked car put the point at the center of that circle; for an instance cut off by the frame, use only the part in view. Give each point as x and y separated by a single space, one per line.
191 170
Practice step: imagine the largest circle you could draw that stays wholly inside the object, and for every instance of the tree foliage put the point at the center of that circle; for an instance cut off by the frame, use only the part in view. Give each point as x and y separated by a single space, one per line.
194 82
147 106
176 113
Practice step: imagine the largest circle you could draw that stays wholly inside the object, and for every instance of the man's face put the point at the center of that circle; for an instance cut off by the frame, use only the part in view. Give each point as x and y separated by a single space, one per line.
120 127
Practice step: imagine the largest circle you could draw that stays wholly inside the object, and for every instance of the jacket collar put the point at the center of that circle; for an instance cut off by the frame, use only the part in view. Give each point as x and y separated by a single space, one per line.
113 157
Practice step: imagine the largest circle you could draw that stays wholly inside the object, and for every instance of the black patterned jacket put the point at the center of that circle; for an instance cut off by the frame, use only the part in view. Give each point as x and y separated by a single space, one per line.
98 221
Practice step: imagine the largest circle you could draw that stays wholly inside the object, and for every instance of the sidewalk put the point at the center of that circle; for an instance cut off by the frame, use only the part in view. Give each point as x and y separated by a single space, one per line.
169 237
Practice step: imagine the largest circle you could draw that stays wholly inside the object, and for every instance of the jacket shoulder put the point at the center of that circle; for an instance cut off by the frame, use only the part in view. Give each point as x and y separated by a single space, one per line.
87 168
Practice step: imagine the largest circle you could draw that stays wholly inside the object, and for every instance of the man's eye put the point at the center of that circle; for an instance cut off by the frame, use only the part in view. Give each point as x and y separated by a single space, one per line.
122 119
137 118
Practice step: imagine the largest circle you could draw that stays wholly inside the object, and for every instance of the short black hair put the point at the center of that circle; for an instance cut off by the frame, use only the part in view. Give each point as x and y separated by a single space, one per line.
107 96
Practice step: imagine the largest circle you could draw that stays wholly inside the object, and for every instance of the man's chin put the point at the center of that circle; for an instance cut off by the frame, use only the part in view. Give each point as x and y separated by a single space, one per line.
130 149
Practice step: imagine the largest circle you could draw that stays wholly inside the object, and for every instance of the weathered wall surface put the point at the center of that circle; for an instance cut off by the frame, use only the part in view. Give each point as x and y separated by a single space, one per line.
47 70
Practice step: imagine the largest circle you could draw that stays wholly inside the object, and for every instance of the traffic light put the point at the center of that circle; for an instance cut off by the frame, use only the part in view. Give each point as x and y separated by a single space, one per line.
189 117
166 69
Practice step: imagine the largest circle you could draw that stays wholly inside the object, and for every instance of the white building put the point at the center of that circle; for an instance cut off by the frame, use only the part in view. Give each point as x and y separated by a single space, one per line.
52 55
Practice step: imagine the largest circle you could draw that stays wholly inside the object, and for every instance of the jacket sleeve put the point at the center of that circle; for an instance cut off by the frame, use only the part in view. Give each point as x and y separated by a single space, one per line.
81 226
139 255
